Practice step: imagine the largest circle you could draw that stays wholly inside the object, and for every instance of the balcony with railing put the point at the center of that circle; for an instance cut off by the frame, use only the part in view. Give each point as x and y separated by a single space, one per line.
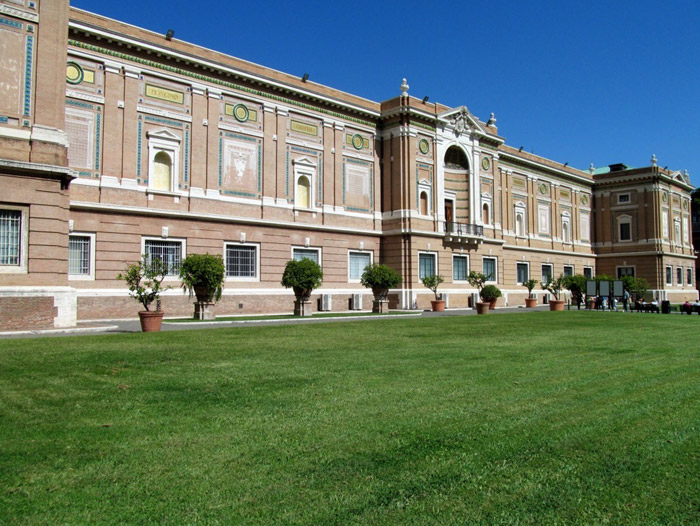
463 232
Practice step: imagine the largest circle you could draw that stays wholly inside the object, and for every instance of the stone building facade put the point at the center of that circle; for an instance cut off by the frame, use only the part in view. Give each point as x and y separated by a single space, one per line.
116 141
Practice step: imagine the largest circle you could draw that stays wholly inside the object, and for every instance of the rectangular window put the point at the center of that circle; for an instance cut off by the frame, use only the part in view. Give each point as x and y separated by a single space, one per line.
460 268
568 270
426 265
625 271
625 231
690 276
81 256
623 198
357 264
547 273
10 237
309 253
669 276
588 272
489 265
523 273
169 252
679 276
241 261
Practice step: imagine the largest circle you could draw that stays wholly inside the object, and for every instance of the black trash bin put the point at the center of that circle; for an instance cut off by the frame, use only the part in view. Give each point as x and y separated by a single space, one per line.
665 307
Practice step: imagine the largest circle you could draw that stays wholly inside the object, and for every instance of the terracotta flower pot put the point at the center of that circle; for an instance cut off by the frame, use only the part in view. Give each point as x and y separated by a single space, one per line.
530 303
556 305
438 305
482 308
204 294
151 320
492 303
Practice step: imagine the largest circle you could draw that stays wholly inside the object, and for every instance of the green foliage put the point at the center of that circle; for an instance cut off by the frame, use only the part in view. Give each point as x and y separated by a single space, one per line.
490 292
145 279
203 270
433 282
577 285
554 286
303 276
603 277
529 285
637 287
477 279
380 278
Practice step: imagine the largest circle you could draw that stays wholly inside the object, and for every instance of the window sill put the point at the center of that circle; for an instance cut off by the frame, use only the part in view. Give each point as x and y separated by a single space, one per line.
80 277
163 192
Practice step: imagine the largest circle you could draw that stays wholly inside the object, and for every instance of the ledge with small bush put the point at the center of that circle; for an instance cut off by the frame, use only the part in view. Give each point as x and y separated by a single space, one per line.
302 276
380 278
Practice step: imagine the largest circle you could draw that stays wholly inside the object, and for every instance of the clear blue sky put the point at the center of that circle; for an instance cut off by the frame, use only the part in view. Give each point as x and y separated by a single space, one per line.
594 81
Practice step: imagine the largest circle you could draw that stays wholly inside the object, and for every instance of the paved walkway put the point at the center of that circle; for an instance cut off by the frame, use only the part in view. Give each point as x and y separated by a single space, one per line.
133 325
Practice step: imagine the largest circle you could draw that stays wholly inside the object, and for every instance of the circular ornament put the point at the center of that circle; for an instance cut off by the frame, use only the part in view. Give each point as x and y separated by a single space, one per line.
241 113
664 197
543 188
584 199
685 205
485 163
357 141
423 146
74 73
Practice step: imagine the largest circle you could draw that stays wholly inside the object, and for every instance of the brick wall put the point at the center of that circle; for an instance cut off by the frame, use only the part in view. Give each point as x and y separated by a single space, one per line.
26 313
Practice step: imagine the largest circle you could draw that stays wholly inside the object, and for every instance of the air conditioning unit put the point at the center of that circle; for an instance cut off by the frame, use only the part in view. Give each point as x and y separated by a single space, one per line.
356 302
325 302
474 299
446 297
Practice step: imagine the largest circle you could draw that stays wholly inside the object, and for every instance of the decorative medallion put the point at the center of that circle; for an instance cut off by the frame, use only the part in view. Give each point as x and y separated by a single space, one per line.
74 73
664 197
424 146
241 113
685 205
485 163
584 199
357 141
543 188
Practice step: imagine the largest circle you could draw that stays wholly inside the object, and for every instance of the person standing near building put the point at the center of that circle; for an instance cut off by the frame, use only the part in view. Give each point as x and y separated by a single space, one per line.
625 300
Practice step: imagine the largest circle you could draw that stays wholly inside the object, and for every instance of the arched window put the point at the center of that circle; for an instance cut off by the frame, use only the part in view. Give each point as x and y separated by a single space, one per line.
456 159
303 191
486 216
519 223
424 203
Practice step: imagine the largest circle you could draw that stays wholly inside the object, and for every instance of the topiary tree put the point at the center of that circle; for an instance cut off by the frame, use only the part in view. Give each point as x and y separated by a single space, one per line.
302 276
203 275
144 280
490 293
380 278
433 282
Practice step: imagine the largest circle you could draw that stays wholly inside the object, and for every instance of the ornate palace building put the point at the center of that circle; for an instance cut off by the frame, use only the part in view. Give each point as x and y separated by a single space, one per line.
116 141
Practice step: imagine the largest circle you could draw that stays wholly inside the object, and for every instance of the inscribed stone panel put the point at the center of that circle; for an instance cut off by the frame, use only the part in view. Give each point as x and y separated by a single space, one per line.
241 163
165 94
305 129
543 219
12 65
357 194
584 226
80 127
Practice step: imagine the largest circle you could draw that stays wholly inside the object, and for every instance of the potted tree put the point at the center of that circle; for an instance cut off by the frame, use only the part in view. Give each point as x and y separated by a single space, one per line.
302 276
379 278
554 286
530 301
203 275
478 280
144 280
433 282
490 294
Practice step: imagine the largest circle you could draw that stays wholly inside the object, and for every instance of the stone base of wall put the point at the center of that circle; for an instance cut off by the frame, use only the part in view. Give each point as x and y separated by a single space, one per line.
32 308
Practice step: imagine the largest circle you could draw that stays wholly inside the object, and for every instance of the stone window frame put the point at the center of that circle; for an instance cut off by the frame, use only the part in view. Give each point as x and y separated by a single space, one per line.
466 258
165 141
232 244
90 276
624 219
527 265
495 269
22 267
175 276
356 252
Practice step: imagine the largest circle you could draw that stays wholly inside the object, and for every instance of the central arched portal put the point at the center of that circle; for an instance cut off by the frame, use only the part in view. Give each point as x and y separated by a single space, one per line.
456 169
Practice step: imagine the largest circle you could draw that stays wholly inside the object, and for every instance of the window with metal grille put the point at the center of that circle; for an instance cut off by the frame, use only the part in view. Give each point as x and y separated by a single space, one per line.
568 270
588 272
309 253
523 272
241 261
10 237
426 265
459 268
79 255
547 273
169 252
358 262
489 265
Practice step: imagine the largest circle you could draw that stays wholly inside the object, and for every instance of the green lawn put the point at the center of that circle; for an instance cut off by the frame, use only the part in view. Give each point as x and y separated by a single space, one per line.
268 317
529 418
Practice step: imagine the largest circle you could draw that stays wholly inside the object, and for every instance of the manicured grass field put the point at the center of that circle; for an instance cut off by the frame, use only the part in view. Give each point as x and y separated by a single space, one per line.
528 418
